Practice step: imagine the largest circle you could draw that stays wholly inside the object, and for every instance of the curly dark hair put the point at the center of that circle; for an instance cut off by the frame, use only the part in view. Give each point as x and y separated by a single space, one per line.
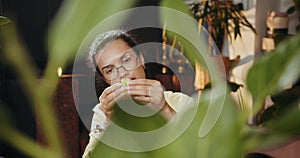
103 40
100 42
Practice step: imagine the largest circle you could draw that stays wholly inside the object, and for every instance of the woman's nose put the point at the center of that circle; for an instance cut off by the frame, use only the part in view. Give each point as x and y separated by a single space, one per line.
123 73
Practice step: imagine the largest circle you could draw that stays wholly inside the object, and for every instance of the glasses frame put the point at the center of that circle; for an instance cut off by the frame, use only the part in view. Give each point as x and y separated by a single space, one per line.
136 59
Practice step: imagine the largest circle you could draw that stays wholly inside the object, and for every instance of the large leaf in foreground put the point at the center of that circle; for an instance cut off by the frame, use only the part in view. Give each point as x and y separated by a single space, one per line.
4 20
74 20
276 70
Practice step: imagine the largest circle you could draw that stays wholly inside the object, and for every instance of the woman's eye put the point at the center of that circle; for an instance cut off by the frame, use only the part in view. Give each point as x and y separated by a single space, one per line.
127 60
109 71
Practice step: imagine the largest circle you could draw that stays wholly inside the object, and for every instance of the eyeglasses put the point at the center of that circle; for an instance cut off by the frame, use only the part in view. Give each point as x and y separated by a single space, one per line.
128 62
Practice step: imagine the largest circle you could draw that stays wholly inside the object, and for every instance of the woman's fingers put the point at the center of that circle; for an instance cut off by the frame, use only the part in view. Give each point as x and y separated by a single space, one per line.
142 99
109 97
115 94
145 82
144 87
147 91
142 90
111 89
139 92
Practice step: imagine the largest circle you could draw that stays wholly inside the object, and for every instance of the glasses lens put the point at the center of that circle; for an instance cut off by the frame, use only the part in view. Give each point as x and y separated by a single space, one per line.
129 63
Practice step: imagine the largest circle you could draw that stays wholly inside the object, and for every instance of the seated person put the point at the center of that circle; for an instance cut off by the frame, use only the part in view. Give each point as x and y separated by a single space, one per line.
114 57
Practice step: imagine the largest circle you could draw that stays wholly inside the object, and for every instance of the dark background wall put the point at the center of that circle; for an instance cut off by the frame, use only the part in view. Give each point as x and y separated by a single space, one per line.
32 18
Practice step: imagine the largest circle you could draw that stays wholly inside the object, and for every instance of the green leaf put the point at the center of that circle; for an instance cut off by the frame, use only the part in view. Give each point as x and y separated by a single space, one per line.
39 94
5 117
288 124
291 10
177 5
25 144
4 20
189 144
276 70
74 20
226 129
176 28
258 138
275 132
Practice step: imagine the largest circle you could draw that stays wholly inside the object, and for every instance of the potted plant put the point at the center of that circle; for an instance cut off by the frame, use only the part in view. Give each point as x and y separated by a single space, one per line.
292 9
222 17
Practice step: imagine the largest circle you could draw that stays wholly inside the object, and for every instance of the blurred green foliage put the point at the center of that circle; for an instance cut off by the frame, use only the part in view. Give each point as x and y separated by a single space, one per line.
223 17
230 136
4 20
276 70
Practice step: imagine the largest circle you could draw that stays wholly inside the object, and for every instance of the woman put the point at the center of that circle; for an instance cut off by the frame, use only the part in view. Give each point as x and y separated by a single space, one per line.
114 56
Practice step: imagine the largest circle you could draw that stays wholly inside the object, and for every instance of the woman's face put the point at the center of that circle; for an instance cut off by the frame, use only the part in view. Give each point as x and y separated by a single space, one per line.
118 60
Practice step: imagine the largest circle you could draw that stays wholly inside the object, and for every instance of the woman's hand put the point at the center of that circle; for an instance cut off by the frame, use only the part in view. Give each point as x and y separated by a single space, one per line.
150 92
109 97
147 91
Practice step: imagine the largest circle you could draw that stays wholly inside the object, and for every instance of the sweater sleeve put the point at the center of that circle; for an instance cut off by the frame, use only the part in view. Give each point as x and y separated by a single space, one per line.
178 101
99 123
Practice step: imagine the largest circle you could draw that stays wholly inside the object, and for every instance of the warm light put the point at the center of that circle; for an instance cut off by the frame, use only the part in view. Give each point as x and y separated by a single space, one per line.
180 69
59 71
164 30
164 70
199 25
164 37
